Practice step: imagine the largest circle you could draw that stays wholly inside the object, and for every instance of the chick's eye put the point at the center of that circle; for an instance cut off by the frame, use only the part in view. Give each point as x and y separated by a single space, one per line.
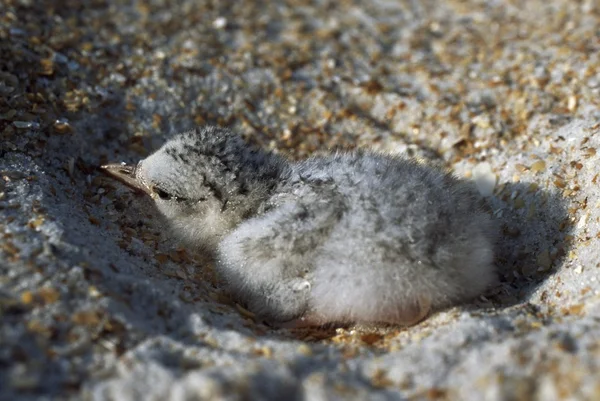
162 194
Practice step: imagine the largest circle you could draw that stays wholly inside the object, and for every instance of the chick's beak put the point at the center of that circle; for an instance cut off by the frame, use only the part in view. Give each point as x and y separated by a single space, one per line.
127 175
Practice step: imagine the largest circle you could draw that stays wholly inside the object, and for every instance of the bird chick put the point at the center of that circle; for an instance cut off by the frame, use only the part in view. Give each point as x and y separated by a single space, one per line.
354 237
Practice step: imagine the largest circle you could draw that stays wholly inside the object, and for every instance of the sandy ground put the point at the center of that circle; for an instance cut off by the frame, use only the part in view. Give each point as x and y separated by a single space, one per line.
95 301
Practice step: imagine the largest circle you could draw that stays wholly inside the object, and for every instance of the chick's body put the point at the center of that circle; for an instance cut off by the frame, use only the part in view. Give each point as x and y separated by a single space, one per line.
352 237
360 237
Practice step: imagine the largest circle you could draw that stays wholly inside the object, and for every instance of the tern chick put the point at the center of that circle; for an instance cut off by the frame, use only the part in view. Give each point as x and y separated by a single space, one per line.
354 237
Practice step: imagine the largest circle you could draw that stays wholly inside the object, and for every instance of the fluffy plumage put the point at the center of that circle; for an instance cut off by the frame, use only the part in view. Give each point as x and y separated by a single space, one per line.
351 237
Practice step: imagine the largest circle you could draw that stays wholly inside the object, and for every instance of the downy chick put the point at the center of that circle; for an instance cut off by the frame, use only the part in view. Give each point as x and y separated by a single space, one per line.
354 237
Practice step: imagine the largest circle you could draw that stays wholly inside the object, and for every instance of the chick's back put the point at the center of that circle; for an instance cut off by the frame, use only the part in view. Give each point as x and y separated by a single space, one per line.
406 232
